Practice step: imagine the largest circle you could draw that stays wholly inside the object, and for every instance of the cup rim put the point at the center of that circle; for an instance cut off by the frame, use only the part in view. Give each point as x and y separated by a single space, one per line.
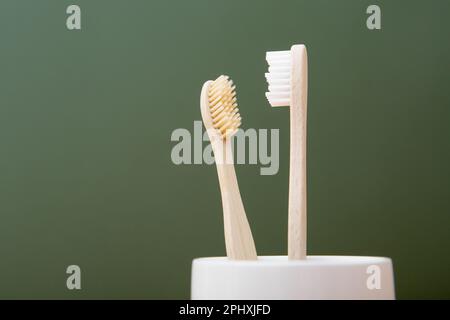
312 260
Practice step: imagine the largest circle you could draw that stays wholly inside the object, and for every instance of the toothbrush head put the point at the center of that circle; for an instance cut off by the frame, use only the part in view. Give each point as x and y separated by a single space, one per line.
287 70
219 107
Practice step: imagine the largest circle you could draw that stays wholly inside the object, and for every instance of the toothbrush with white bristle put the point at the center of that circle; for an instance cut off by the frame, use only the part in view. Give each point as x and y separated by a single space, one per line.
288 86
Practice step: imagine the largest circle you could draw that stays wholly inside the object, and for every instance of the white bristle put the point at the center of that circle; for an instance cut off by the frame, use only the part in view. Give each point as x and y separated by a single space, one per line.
279 78
279 63
276 76
275 69
279 103
279 82
278 88
277 54
277 95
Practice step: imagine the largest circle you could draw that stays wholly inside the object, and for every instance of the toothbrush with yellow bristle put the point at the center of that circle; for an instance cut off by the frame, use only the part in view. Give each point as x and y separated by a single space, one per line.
222 120
288 86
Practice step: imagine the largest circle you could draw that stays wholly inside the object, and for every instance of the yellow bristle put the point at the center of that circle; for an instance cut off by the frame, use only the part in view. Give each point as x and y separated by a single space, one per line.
223 106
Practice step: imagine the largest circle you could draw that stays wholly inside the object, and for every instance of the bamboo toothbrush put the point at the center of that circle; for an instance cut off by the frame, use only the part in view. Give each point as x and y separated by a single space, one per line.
222 120
288 85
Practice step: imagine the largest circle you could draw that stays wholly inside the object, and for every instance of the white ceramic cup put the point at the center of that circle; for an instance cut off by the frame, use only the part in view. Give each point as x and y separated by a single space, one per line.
276 277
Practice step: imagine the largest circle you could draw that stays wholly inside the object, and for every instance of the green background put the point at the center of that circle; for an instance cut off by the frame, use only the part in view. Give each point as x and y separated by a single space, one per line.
86 117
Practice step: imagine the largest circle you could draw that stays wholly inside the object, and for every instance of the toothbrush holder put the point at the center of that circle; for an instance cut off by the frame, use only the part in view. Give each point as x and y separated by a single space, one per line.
277 278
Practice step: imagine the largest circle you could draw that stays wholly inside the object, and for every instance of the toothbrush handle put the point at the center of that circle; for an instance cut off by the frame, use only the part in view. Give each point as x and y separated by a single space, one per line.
238 236
297 171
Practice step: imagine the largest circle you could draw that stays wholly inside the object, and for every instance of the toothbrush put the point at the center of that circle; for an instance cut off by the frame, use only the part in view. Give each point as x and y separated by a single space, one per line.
222 120
288 85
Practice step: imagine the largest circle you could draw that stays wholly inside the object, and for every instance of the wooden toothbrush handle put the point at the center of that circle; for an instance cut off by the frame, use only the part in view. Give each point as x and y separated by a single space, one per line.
238 236
297 169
